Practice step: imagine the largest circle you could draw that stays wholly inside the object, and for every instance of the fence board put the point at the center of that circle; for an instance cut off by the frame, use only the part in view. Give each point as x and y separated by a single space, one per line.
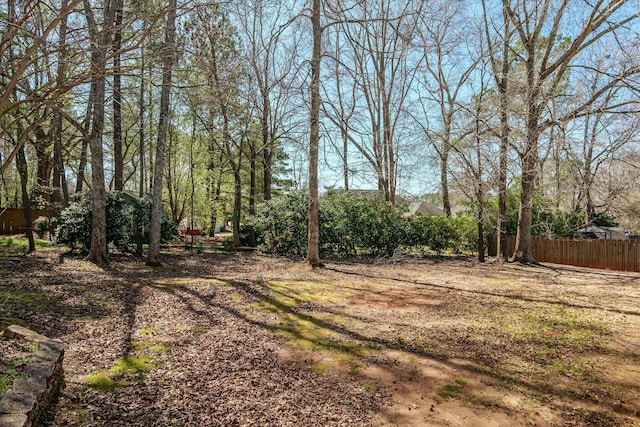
621 255
12 220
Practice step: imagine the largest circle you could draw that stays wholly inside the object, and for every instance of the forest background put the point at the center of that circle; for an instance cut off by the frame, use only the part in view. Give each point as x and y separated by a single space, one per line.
214 107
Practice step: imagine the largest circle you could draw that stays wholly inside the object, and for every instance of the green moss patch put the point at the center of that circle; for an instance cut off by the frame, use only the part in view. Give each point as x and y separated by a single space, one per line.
320 368
103 381
146 332
315 332
370 385
122 370
450 390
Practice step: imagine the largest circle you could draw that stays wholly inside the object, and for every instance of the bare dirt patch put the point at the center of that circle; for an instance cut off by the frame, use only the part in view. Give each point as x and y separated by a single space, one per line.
215 339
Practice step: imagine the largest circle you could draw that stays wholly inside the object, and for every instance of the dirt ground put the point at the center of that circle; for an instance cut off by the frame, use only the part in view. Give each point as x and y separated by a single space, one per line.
216 339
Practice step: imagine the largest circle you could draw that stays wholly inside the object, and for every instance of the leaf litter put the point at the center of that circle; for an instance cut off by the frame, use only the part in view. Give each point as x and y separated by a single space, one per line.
253 340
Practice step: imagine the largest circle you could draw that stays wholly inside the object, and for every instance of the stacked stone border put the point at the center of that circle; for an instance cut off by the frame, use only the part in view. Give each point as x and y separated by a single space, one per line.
30 396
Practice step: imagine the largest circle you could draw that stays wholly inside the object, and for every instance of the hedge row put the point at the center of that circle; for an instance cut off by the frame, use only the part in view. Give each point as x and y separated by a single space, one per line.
355 226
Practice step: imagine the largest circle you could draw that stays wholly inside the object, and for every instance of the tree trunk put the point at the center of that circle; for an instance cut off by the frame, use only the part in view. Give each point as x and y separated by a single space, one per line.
252 191
529 167
100 43
118 165
237 205
313 249
59 180
267 148
444 179
158 175
21 164
141 145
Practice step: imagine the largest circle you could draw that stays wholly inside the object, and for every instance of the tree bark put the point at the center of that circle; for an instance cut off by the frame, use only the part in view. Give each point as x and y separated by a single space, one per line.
100 43
313 248
158 175
21 164
59 179
118 165
252 190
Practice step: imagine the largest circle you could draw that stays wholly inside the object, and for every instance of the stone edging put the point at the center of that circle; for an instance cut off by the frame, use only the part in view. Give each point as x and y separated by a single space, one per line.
30 396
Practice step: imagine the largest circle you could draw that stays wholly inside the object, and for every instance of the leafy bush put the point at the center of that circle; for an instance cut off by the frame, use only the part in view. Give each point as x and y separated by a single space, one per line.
360 225
76 220
349 225
281 224
441 233
141 220
41 226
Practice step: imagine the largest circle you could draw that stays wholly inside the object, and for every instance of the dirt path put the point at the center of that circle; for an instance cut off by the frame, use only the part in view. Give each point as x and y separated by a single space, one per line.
251 340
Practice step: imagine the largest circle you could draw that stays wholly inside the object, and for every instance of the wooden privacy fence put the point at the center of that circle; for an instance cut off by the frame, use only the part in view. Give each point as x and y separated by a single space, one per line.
622 255
12 220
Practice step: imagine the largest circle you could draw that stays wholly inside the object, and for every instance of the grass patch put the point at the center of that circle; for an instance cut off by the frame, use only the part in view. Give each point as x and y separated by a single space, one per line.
320 368
370 385
450 390
304 331
146 332
114 378
12 246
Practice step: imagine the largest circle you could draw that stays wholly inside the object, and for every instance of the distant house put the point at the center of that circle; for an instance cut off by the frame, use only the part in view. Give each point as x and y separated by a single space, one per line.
597 232
414 207
423 208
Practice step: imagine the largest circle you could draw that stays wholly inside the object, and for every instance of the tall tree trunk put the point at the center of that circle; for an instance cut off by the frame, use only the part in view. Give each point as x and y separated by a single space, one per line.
237 205
500 72
215 189
141 141
59 180
21 164
118 165
313 249
158 175
252 190
529 168
99 46
444 180
267 148
82 164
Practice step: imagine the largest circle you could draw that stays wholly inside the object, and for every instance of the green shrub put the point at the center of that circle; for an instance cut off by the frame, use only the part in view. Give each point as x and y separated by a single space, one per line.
141 225
75 222
281 224
349 225
41 226
360 225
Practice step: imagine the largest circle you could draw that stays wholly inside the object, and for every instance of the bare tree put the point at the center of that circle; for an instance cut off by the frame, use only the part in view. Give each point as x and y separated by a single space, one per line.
272 46
381 37
500 67
546 68
449 62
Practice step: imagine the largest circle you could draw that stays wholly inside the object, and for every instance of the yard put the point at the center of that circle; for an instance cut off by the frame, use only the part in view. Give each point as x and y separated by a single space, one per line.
245 339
